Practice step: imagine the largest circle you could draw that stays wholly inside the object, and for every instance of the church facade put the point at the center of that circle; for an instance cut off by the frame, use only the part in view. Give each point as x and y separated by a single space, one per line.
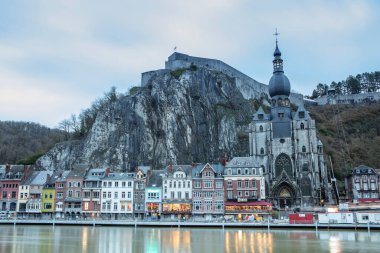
285 144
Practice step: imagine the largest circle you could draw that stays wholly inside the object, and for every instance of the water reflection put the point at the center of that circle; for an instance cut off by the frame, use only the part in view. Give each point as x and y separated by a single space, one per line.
46 239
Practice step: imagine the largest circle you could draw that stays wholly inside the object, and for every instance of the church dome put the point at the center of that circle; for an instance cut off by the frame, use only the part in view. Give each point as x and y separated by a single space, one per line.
279 85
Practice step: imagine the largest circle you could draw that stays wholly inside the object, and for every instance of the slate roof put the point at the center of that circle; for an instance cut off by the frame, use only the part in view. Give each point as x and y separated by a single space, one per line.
218 168
363 169
119 176
155 178
301 108
260 111
91 177
76 174
241 162
63 176
185 168
41 177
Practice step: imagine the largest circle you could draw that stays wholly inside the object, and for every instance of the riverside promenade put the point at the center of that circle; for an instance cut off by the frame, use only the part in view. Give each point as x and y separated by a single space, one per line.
192 224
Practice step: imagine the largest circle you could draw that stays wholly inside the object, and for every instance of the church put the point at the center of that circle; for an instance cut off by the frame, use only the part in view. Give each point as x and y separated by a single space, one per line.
285 144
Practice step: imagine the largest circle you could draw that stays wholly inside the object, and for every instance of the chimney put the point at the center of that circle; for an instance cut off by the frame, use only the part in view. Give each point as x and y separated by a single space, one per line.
170 168
108 170
7 168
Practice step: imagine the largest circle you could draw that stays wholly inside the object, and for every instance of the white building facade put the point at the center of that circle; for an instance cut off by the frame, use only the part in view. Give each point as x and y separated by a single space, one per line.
117 195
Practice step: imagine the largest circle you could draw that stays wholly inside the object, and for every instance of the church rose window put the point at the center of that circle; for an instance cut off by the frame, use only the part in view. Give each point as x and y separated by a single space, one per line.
283 162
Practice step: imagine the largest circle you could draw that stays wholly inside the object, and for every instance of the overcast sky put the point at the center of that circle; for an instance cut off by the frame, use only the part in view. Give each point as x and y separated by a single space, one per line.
56 57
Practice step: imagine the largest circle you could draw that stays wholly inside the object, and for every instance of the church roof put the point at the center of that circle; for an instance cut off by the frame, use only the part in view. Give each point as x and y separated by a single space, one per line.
298 115
260 111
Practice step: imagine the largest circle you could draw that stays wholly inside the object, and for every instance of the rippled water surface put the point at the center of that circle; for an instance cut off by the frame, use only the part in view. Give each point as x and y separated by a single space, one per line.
45 239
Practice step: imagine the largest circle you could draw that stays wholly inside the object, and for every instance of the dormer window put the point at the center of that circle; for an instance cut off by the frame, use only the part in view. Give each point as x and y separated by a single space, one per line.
238 171
286 102
279 102
301 114
261 116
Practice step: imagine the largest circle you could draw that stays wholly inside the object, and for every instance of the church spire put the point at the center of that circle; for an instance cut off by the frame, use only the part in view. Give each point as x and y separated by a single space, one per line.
277 62
279 84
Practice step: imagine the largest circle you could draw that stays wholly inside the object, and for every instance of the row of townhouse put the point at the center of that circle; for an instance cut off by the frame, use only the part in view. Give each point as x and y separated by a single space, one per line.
177 191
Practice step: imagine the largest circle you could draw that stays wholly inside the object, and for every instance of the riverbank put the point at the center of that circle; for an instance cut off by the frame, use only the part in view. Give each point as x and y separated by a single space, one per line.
192 224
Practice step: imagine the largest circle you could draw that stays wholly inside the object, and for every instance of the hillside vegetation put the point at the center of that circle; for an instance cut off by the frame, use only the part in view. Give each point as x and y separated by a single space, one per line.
24 142
350 134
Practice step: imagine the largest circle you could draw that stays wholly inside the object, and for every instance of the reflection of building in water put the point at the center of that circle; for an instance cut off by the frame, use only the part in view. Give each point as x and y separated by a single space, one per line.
117 239
176 240
244 241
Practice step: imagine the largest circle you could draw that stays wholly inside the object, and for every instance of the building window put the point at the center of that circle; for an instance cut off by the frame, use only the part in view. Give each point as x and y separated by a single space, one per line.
253 183
246 184
207 184
229 183
240 194
116 184
262 151
261 129
109 195
281 115
279 102
219 185
303 149
247 193
302 126
116 195
238 171
229 172
261 116
239 183
301 114
123 195
123 184
286 102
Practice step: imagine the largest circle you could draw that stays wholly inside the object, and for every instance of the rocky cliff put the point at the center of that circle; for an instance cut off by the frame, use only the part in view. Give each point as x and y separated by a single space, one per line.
194 114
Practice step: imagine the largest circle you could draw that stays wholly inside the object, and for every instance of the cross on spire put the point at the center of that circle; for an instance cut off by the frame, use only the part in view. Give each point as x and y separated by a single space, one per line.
276 34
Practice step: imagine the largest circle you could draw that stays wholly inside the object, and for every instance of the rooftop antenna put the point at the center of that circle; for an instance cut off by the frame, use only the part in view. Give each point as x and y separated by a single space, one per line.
175 49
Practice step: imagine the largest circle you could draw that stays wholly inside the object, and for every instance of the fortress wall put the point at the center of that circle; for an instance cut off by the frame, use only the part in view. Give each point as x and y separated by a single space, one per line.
349 99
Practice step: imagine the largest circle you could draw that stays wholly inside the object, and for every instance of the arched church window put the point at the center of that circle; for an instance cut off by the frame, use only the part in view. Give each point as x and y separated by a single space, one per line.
303 149
261 128
283 163
306 186
302 125
286 102
279 102
262 151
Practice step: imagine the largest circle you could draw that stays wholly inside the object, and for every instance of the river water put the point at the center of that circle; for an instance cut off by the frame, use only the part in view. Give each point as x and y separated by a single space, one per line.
72 239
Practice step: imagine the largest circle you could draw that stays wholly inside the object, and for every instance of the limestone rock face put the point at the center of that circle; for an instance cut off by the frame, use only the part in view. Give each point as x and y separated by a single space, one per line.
193 116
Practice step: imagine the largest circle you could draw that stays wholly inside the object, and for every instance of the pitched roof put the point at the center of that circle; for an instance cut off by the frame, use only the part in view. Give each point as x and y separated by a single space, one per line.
119 176
239 162
155 178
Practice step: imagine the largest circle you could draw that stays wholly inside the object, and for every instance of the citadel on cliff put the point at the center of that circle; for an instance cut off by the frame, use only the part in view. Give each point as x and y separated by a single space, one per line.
198 115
